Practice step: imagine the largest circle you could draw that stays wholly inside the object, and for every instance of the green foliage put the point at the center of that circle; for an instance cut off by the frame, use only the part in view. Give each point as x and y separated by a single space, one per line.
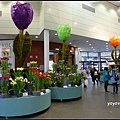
21 47
65 52
64 32
16 47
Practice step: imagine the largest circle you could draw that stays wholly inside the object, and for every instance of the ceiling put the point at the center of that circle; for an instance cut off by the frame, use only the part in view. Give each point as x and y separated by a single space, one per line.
78 41
117 3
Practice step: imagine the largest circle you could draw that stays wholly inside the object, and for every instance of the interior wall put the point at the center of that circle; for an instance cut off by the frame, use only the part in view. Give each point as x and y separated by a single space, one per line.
37 52
99 25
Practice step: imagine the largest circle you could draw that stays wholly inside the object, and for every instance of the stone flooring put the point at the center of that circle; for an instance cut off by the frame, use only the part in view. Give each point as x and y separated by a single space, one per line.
95 103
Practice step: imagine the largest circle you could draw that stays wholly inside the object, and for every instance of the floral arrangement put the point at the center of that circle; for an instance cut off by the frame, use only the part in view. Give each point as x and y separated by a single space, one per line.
33 63
4 84
60 78
18 84
72 77
55 67
4 64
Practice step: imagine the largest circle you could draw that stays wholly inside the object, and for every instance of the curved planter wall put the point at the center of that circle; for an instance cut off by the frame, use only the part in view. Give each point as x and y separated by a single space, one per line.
61 93
24 105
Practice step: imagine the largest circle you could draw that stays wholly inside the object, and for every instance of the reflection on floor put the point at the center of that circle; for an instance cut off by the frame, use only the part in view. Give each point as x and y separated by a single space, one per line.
93 104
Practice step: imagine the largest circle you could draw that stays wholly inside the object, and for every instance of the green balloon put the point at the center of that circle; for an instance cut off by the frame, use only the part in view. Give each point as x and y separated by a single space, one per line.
64 32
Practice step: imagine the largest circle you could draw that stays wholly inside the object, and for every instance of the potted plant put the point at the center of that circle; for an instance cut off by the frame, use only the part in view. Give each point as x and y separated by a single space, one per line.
72 78
60 79
18 84
4 86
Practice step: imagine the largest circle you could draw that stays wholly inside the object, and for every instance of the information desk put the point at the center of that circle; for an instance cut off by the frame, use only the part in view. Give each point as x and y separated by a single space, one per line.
19 106
61 93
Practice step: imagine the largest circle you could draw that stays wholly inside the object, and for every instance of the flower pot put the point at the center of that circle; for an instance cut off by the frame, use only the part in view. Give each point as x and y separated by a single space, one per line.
36 93
4 95
29 89
59 84
19 94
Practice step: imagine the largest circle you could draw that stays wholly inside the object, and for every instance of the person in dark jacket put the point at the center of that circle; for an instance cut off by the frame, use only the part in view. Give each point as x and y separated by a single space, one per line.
94 75
106 78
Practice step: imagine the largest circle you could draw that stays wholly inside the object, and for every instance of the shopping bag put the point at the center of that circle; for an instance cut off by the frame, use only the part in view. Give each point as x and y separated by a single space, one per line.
85 82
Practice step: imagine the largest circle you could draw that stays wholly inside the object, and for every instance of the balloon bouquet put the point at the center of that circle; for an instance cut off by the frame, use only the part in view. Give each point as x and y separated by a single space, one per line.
22 16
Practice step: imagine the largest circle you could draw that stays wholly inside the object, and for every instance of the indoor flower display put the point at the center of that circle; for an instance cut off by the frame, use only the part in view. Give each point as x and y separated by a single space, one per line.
33 63
47 80
60 79
18 84
4 65
64 33
4 84
22 16
72 78
115 41
55 67
78 78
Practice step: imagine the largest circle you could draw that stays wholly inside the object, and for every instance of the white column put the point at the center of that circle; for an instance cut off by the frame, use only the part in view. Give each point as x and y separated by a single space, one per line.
76 56
99 54
46 50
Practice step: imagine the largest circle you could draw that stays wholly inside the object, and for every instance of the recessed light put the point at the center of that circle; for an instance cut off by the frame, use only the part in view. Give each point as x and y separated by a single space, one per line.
55 33
36 36
87 41
75 23
106 43
89 44
91 47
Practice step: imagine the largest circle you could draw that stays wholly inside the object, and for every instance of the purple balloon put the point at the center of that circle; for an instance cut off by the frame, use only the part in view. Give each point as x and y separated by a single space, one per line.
22 14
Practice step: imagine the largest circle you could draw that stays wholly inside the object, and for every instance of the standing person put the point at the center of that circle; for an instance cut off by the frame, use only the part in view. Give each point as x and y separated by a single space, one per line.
94 75
113 81
85 75
106 78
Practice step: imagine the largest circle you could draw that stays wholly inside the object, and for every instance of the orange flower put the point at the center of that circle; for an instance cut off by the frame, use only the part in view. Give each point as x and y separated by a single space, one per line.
114 41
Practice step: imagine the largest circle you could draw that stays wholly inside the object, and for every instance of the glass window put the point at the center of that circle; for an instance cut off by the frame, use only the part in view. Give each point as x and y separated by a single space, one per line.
84 54
93 54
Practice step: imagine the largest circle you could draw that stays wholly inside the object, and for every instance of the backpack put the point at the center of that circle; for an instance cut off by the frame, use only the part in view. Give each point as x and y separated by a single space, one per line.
116 77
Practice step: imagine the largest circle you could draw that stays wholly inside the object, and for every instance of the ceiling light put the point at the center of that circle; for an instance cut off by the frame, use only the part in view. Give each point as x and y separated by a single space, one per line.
55 33
75 23
89 44
106 43
74 45
49 9
91 47
36 36
70 43
87 41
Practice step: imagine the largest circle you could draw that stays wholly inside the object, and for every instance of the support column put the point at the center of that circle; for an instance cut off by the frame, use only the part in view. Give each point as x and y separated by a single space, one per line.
76 56
99 59
46 50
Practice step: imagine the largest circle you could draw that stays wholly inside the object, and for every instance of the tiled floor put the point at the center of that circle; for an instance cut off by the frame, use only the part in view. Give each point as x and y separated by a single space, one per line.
93 104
